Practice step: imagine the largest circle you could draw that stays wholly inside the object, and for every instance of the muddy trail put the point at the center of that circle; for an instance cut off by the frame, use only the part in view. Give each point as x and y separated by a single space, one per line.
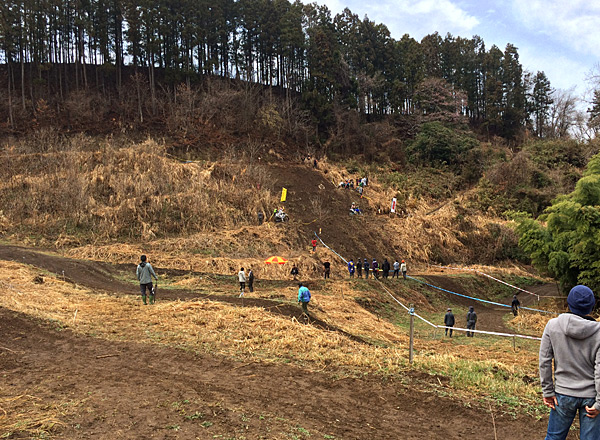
102 389
315 204
104 277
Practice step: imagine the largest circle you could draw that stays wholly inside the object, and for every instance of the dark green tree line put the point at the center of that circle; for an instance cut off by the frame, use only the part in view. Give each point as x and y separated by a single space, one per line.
53 47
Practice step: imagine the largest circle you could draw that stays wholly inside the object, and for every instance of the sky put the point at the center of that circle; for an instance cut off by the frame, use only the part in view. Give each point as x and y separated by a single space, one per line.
559 37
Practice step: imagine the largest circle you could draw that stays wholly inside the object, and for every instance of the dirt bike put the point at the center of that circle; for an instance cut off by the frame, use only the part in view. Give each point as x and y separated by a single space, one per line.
281 218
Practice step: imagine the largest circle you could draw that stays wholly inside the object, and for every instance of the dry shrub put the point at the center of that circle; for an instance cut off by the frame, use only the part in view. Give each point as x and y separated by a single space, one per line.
108 191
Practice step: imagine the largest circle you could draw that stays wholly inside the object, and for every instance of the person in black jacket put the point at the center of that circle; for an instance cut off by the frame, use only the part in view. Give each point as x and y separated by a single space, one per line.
358 268
250 280
326 269
366 268
449 321
385 268
471 321
515 305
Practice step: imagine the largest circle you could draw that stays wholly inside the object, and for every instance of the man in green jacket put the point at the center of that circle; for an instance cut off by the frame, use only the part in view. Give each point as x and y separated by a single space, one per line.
144 273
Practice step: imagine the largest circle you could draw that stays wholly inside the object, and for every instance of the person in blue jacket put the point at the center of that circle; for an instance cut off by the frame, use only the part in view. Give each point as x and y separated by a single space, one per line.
351 268
304 298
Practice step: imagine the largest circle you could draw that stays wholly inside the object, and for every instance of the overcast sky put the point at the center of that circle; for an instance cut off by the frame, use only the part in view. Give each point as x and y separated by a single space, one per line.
558 37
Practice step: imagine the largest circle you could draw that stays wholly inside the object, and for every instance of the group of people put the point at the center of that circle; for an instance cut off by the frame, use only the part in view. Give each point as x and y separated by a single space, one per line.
449 321
569 356
364 265
350 184
244 279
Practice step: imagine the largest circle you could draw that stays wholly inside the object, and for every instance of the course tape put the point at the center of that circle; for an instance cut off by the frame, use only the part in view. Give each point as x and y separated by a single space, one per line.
512 335
478 299
492 278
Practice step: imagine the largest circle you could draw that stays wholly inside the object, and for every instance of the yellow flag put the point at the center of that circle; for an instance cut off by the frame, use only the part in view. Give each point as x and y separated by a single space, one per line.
283 194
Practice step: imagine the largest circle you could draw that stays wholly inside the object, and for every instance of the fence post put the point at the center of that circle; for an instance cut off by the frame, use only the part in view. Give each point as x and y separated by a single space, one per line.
411 312
514 343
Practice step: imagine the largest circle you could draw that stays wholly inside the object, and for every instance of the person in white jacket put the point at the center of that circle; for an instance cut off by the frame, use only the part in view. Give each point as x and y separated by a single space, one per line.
242 279
572 341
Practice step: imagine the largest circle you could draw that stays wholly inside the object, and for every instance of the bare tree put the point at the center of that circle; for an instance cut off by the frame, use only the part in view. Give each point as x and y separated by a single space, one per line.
563 113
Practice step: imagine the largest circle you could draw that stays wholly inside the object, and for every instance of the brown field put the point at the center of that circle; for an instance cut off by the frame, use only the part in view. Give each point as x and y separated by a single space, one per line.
80 357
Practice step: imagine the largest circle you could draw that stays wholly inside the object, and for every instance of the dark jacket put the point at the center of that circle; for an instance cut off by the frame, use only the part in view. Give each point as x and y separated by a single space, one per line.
471 317
385 266
449 319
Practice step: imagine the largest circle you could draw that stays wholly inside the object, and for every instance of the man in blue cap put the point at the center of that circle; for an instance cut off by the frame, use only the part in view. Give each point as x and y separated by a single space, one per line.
572 340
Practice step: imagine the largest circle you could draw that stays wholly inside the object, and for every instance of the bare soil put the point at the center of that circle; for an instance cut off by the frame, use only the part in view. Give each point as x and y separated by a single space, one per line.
106 389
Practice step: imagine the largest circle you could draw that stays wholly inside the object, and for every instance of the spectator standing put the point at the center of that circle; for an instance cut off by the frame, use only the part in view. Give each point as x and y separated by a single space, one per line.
250 280
385 268
358 268
366 268
449 321
351 268
314 245
471 321
242 280
403 269
515 305
572 342
144 273
396 269
326 269
261 217
304 298
375 266
294 272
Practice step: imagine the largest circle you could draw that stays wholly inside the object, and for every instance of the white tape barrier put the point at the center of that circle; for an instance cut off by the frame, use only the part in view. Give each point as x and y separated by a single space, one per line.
493 278
511 335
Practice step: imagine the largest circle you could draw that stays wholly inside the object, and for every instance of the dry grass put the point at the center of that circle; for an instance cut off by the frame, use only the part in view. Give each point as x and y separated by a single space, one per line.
104 191
256 334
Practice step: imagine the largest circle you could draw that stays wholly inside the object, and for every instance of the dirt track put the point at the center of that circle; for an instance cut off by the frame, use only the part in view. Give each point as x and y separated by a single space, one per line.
114 390
127 390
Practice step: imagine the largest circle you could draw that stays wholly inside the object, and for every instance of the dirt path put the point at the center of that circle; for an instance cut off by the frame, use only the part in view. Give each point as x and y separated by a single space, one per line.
107 390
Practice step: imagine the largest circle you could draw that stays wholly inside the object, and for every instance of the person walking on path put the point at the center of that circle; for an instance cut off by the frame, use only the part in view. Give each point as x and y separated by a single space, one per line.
314 245
403 269
449 321
572 342
351 268
304 298
250 280
471 321
396 269
294 272
366 268
358 267
515 305
144 274
242 280
385 268
326 269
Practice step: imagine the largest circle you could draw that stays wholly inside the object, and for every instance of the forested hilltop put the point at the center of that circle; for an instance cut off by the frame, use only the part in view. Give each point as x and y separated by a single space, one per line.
138 56
100 93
